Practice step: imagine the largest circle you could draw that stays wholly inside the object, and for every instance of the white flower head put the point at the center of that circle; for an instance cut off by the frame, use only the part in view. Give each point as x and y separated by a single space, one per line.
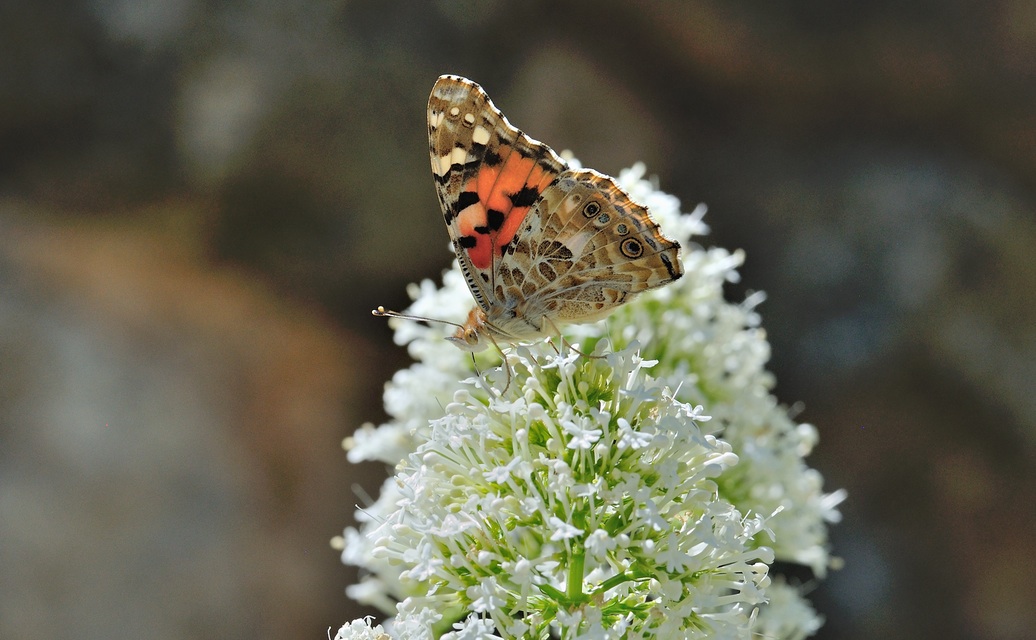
584 497
561 511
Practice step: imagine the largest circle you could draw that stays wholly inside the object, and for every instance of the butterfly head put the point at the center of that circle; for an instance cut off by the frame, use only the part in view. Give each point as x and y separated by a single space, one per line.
473 334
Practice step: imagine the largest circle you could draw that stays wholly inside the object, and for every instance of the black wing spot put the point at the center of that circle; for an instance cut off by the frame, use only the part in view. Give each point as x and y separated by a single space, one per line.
495 220
669 267
525 197
465 200
547 165
491 159
467 242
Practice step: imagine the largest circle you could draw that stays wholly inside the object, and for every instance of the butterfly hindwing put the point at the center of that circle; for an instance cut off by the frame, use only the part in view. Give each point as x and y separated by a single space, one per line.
585 249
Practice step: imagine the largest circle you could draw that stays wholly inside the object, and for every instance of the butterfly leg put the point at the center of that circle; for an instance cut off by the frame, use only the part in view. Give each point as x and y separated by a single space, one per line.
507 369
553 346
478 373
506 365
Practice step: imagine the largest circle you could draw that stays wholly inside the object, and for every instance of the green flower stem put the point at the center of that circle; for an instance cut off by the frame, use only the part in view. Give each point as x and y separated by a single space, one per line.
575 576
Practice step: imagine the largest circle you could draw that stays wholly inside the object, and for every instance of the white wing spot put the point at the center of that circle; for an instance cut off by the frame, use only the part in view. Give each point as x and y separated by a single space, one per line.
435 119
442 165
469 118
459 155
480 135
454 112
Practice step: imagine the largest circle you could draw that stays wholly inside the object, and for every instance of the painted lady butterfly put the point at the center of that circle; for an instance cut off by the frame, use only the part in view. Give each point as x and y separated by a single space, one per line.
540 244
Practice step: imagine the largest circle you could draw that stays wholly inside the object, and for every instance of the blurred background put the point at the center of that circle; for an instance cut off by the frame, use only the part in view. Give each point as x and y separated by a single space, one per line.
200 202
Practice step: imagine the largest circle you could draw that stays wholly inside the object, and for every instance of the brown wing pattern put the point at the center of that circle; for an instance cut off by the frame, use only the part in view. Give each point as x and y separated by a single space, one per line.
585 249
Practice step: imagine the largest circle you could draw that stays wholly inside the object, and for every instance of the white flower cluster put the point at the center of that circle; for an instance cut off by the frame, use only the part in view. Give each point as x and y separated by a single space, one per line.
361 630
585 501
585 505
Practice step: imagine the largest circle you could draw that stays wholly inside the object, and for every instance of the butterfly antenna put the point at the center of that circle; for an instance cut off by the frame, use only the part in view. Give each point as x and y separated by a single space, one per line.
382 312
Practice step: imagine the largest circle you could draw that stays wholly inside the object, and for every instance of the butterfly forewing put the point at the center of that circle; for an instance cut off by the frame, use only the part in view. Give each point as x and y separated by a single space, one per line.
488 175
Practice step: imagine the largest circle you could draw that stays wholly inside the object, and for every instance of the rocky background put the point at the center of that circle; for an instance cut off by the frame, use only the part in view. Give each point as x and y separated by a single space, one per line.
200 202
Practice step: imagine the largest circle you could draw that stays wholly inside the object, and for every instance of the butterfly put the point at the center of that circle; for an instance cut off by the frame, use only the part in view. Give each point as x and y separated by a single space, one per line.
540 243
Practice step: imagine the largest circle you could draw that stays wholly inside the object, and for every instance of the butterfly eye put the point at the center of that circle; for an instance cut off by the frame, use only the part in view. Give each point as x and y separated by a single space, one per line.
631 248
591 209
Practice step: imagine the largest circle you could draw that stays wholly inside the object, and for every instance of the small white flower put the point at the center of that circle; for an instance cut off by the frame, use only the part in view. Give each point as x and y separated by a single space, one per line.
502 473
599 543
563 530
472 628
581 436
486 596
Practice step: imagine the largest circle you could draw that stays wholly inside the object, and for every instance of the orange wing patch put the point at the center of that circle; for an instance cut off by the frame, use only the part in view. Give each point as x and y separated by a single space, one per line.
495 201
